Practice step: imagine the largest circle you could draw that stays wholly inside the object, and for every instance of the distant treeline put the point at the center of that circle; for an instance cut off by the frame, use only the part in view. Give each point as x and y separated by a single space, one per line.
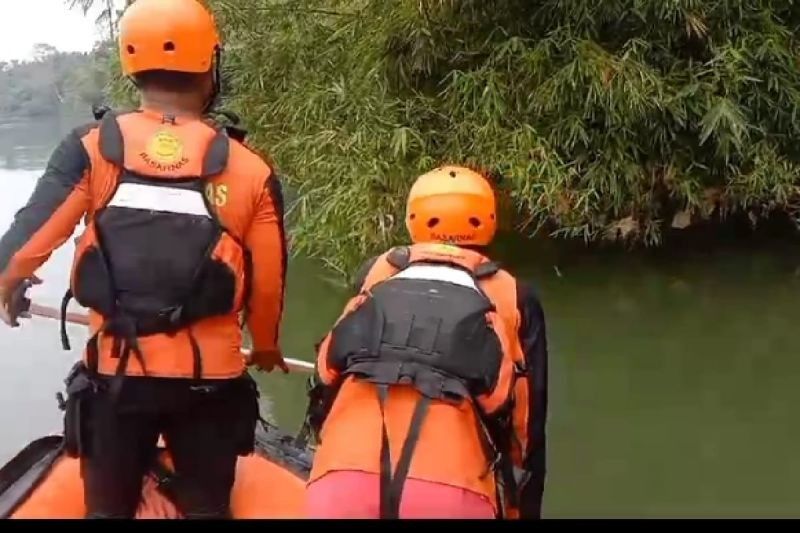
53 81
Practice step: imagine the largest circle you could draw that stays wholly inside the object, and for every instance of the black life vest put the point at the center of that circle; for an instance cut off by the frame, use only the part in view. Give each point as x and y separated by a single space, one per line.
429 333
151 260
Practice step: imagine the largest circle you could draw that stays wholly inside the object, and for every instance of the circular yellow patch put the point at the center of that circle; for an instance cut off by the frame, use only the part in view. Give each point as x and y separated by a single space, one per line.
165 148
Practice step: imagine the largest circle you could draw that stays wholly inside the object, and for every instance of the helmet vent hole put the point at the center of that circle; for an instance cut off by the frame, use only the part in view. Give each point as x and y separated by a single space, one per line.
492 215
169 46
413 216
131 49
452 173
474 222
433 222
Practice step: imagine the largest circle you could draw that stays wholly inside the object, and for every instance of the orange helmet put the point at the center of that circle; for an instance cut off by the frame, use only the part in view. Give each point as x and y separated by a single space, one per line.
175 35
453 205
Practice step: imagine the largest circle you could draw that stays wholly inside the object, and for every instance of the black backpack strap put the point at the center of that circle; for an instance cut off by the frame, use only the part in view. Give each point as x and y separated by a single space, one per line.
99 111
64 304
197 356
111 143
126 343
236 133
216 158
399 257
487 270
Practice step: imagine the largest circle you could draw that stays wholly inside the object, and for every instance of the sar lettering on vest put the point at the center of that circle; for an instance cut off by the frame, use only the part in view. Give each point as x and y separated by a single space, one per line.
217 195
164 152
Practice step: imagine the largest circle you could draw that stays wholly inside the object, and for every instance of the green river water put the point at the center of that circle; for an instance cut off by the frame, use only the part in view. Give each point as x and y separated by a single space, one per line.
673 373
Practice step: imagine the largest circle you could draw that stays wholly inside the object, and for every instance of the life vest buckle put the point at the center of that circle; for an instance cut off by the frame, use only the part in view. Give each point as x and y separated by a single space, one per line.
62 403
176 315
203 389
172 316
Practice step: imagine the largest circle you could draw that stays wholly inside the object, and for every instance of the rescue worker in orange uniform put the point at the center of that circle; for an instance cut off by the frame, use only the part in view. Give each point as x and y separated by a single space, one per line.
430 395
184 240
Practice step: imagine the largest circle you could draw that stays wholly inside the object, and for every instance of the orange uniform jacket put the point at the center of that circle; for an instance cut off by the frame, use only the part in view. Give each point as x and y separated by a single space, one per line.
248 200
448 451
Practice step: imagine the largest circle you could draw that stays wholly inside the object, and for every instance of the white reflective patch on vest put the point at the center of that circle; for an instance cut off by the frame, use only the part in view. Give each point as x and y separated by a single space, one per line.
164 199
452 275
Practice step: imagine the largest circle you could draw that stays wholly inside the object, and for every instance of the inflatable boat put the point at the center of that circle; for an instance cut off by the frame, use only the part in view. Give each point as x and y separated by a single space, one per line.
41 481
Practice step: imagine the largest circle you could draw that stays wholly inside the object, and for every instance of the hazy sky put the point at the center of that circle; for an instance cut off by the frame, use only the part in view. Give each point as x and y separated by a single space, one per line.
24 23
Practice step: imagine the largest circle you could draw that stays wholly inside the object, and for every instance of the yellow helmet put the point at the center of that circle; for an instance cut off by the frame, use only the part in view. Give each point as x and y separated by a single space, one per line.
452 204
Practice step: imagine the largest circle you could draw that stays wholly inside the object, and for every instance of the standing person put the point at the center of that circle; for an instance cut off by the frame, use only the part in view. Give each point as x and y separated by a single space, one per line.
184 234
434 375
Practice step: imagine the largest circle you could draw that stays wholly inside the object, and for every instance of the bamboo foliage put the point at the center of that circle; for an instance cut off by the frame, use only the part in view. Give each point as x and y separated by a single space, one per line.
612 119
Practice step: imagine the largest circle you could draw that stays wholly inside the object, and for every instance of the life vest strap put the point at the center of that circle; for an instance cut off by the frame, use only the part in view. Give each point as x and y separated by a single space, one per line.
64 305
487 270
166 321
197 359
93 353
391 485
399 257
125 342
110 141
427 380
124 330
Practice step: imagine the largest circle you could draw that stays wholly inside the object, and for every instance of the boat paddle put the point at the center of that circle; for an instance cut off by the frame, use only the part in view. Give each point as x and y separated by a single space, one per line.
82 319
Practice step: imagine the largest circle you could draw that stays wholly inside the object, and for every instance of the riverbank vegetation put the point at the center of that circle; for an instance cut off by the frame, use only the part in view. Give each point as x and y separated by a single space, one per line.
53 81
609 120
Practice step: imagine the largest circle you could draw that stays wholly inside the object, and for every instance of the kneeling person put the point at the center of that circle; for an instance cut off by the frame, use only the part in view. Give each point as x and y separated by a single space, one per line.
431 390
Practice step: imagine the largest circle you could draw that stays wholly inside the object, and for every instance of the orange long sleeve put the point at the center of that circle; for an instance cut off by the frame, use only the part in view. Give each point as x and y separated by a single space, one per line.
266 241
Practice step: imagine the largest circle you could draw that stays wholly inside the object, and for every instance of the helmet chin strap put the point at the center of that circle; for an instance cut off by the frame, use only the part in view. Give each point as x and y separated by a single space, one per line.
217 81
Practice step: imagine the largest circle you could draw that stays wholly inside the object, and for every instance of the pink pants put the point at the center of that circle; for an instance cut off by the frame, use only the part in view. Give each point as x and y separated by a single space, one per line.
353 494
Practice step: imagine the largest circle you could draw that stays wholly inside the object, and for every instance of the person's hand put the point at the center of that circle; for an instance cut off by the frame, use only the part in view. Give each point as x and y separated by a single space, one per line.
14 303
267 360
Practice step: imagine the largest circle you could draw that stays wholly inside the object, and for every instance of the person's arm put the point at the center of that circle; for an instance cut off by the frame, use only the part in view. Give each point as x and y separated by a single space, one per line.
532 334
325 381
266 241
325 376
55 208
